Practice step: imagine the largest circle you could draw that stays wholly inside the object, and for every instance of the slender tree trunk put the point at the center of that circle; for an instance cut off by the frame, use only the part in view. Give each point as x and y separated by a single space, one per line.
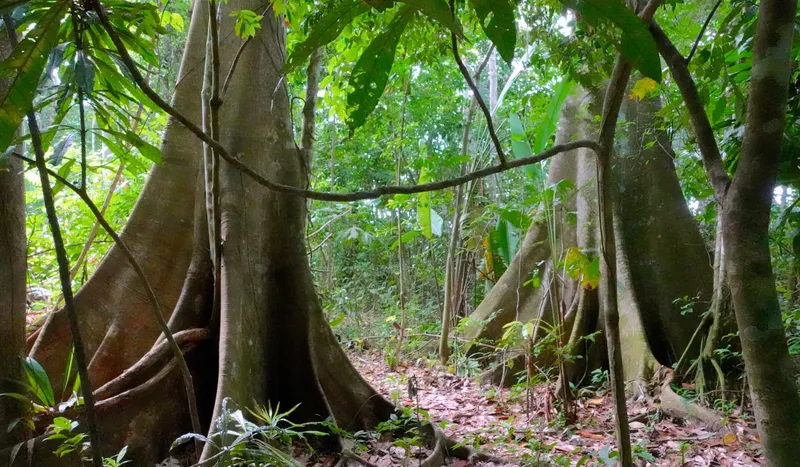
331 184
746 217
13 274
492 73
401 250
310 107
450 282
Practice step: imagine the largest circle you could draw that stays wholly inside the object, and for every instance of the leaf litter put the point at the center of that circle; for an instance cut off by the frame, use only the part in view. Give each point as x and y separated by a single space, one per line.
495 421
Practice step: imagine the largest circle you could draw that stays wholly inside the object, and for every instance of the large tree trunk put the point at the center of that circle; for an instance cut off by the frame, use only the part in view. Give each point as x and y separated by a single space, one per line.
12 278
660 253
274 344
745 227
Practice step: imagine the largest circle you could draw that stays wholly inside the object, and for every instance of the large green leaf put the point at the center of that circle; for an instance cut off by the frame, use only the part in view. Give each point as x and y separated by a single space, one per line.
519 140
24 68
327 27
145 149
498 22
371 72
637 46
84 73
437 10
424 205
548 126
39 382
504 240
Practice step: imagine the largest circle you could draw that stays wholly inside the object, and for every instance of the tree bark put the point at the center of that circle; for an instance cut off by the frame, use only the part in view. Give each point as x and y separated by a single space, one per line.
13 275
746 214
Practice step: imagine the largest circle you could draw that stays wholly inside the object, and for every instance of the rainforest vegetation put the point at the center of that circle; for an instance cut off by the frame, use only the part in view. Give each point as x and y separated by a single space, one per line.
379 232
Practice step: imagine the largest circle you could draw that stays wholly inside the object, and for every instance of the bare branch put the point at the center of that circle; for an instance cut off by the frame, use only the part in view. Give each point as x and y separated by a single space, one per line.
476 92
233 65
477 96
702 32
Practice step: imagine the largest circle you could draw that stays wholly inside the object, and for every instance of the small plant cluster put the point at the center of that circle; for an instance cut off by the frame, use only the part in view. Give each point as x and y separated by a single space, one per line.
241 442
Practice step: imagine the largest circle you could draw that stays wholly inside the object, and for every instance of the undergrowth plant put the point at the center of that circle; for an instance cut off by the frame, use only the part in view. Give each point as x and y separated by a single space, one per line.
240 442
41 402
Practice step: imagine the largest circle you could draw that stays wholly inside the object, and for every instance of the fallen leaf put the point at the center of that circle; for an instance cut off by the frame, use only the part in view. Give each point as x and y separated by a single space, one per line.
729 438
590 435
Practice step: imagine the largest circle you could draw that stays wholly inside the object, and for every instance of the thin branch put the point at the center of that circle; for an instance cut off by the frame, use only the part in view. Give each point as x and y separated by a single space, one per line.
785 214
702 32
321 244
81 111
233 65
706 142
477 95
615 93
214 104
63 270
151 296
326 224
321 196
477 75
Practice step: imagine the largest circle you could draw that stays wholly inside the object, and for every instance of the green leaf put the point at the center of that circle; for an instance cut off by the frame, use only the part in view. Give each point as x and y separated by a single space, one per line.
424 205
25 66
505 239
247 22
84 73
410 235
327 27
60 149
719 109
548 126
371 73
64 173
519 141
495 264
122 154
39 381
498 22
580 267
145 149
439 11
637 46
337 321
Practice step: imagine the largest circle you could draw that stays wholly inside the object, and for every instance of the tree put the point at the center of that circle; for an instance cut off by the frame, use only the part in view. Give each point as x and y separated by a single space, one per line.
651 217
13 292
272 342
746 199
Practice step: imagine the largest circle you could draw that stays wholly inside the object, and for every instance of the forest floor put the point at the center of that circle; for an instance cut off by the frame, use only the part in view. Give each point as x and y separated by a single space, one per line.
495 421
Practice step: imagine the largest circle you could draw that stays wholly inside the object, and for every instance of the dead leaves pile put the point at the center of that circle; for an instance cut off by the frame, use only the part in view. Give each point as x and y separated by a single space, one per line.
496 422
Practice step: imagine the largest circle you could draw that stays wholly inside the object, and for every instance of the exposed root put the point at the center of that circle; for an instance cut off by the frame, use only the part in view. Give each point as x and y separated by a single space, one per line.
150 385
440 452
349 458
679 407
149 362
445 448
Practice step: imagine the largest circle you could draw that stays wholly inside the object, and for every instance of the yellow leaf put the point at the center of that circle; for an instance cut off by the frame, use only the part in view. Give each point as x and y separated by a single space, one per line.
729 438
642 88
